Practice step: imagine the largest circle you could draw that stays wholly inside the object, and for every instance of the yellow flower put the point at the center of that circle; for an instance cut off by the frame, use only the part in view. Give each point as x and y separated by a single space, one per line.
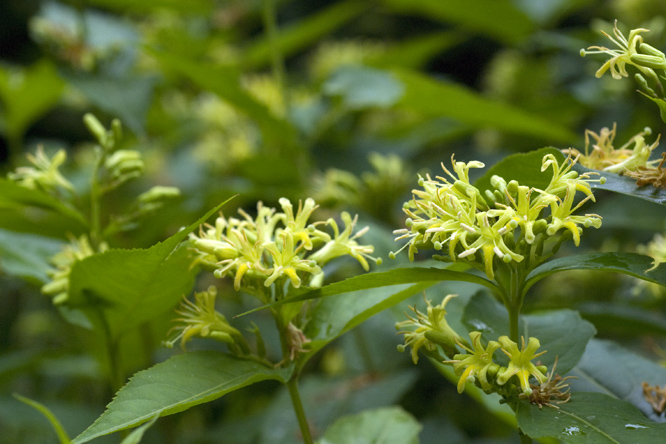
520 364
476 364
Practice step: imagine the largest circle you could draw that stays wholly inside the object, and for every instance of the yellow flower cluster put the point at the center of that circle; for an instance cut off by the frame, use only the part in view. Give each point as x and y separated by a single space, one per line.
275 246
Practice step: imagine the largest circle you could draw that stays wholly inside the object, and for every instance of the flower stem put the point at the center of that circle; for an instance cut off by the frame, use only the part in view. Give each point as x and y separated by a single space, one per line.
292 385
95 202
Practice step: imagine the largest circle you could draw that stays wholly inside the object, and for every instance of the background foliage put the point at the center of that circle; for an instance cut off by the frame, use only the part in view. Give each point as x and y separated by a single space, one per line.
343 101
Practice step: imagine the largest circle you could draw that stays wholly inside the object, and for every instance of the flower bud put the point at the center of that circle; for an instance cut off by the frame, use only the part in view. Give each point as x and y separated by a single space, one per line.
650 50
649 61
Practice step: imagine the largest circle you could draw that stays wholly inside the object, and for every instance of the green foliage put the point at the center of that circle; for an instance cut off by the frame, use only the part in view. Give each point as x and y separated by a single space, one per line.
385 425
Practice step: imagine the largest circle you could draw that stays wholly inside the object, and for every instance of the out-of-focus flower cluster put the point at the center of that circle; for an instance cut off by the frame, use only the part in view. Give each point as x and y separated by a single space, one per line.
503 223
277 246
76 250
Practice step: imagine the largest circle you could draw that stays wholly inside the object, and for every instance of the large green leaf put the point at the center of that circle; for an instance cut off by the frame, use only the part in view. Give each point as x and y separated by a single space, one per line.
590 418
129 287
633 264
623 319
332 317
562 333
625 185
177 384
522 167
15 196
303 33
431 97
624 381
415 52
27 255
382 279
380 426
494 18
225 82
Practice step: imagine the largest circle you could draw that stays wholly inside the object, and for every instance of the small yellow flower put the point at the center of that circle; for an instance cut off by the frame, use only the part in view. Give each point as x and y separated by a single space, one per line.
476 364
45 174
430 330
520 364
200 318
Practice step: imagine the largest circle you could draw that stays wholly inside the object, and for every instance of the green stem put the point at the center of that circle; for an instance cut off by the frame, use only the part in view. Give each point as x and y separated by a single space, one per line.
292 385
95 202
277 61
515 302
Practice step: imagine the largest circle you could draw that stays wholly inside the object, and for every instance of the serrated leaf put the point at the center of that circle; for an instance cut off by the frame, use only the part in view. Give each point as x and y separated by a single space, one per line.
608 368
432 97
177 384
632 264
13 194
522 167
562 333
590 418
625 185
382 279
132 286
380 426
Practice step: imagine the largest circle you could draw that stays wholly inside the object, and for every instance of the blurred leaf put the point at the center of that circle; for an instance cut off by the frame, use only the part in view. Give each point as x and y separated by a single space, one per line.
499 19
344 396
225 82
129 287
189 7
177 384
361 87
632 264
615 371
625 185
303 33
28 94
416 52
128 98
380 426
15 195
380 279
589 418
27 255
523 167
57 427
440 98
622 319
563 333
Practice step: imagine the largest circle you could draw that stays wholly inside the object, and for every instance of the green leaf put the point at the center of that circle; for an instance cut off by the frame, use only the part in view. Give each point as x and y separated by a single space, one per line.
480 16
445 99
380 426
225 82
562 333
57 427
625 185
361 87
204 7
332 317
522 167
416 52
16 196
27 95
623 319
629 371
177 384
129 287
293 38
632 264
27 255
590 418
381 279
